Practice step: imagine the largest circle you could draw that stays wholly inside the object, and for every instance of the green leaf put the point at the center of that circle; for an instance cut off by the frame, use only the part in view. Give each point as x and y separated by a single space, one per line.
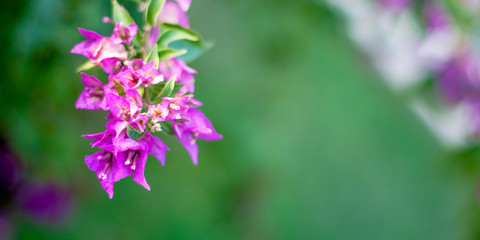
133 133
120 14
166 91
173 33
120 88
86 66
168 53
154 8
167 128
194 49
153 55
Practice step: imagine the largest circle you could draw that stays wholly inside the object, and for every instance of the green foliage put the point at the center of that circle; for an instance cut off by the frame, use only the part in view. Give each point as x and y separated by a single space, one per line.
134 133
167 53
167 128
153 55
172 32
119 87
166 91
194 49
86 66
154 8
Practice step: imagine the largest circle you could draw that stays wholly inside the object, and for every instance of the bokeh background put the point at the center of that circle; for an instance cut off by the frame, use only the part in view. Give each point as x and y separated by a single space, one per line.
315 146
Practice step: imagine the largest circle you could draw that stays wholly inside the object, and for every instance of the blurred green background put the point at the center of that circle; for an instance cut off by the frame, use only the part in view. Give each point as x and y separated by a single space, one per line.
315 146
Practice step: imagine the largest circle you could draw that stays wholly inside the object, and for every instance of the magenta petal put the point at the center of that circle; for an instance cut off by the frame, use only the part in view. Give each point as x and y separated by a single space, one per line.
91 35
107 184
123 171
81 48
184 4
91 81
139 173
111 65
191 146
87 102
158 148
153 37
93 163
117 104
203 126
101 139
123 34
124 143
172 13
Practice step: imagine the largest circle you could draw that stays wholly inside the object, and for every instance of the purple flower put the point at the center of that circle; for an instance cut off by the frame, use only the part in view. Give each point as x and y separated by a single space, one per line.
158 113
149 74
124 34
459 78
105 138
194 125
93 97
132 157
176 106
124 158
176 67
111 65
156 147
104 164
435 17
45 202
173 13
129 78
98 47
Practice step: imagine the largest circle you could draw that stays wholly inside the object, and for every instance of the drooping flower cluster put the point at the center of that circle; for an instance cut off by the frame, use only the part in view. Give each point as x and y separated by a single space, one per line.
149 90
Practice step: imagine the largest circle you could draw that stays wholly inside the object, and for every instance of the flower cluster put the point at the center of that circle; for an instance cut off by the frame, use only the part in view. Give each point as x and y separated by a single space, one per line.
149 90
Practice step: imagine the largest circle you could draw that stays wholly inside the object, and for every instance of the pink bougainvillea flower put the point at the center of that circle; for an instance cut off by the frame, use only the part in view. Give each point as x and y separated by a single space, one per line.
98 47
104 163
111 65
93 97
192 126
137 99
184 74
150 74
124 34
173 13
132 157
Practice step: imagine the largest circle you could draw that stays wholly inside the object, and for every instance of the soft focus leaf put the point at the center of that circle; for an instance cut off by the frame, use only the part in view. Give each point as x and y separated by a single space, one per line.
120 14
153 56
120 88
194 49
133 133
154 8
167 90
86 66
167 128
174 32
168 53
